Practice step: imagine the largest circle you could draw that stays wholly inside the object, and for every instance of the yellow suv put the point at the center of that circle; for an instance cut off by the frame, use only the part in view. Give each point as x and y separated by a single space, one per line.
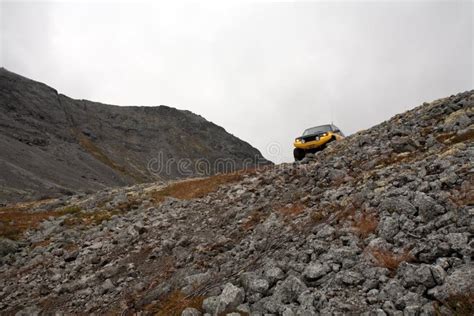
315 139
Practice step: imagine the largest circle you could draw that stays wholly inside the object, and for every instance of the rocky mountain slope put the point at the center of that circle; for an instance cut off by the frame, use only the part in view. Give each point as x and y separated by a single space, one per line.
380 223
52 145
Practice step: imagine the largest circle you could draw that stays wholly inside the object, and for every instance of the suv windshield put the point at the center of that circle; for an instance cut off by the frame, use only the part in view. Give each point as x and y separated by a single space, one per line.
317 130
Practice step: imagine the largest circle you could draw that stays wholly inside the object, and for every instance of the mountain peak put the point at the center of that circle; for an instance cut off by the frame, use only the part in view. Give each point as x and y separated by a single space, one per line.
55 145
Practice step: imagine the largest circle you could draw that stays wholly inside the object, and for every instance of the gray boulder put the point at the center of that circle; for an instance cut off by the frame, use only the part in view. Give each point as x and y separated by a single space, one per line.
231 297
388 228
315 271
253 284
459 282
7 246
289 290
397 205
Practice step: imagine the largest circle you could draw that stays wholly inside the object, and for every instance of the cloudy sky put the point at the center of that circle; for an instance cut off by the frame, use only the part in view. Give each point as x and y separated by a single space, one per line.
264 70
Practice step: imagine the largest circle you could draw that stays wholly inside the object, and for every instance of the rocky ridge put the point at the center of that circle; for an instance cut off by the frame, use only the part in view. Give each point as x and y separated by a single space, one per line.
380 223
54 145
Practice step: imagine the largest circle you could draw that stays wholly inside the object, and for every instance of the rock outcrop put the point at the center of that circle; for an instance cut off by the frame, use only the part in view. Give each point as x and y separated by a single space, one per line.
380 223
52 145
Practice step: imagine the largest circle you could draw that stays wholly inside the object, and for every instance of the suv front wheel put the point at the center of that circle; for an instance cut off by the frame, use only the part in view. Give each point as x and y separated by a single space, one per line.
298 153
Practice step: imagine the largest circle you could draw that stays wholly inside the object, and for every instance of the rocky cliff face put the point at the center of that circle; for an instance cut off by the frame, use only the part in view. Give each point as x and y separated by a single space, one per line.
51 144
380 223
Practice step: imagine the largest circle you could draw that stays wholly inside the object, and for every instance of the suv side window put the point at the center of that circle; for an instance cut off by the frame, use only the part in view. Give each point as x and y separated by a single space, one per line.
337 130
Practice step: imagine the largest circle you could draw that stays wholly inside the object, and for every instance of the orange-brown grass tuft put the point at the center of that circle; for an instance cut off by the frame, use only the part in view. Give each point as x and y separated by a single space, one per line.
454 138
394 159
43 243
292 210
90 219
15 221
254 219
366 225
461 304
465 195
347 214
390 260
318 216
100 155
174 303
196 188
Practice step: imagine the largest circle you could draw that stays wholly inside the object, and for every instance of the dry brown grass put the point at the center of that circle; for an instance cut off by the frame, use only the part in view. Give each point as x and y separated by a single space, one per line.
43 243
454 138
291 210
464 195
318 216
196 188
174 303
347 214
461 304
99 154
255 218
15 220
390 260
366 224
90 219
128 205
395 159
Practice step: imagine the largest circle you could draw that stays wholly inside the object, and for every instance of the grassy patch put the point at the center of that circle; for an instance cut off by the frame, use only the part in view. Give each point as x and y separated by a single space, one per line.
90 218
15 221
366 225
318 216
99 154
395 159
43 243
72 209
390 260
195 188
348 213
174 303
461 304
255 218
291 210
454 138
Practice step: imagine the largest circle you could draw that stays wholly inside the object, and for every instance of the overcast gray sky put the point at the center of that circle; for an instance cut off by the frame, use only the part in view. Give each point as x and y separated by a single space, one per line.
263 70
